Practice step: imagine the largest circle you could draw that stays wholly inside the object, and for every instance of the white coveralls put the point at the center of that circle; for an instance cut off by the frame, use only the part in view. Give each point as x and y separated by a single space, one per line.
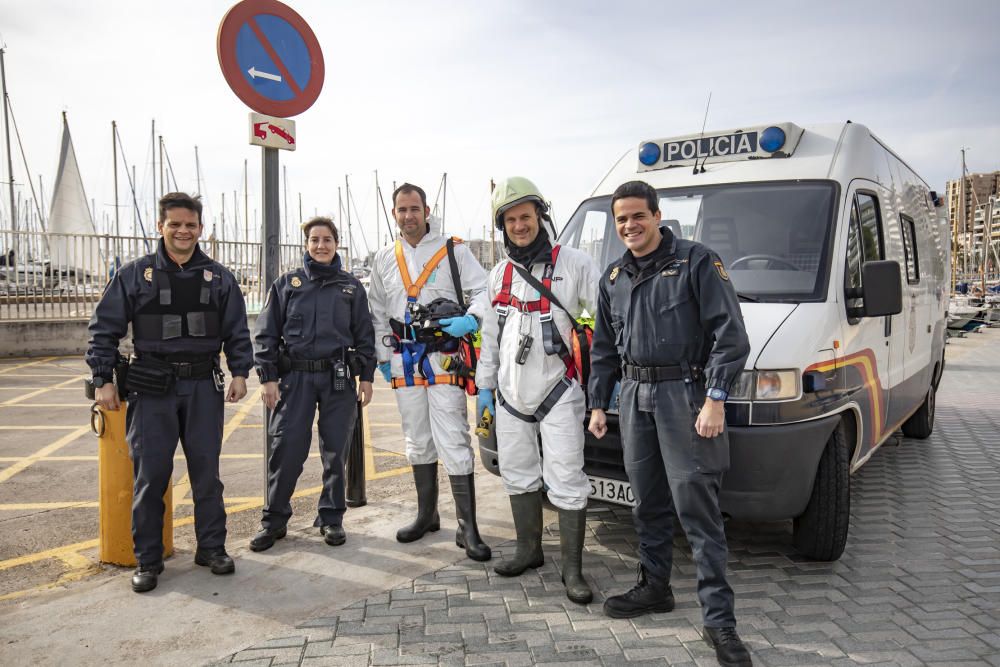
524 387
435 417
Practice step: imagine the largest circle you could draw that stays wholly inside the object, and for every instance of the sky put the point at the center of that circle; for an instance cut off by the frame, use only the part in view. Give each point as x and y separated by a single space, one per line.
553 90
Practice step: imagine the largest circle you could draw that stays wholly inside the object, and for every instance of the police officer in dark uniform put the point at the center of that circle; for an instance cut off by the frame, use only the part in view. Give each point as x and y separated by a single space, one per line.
183 307
314 327
669 326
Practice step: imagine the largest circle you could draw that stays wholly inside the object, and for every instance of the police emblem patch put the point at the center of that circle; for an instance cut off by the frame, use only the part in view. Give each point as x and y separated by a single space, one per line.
348 290
296 281
148 274
722 270
614 273
671 272
207 275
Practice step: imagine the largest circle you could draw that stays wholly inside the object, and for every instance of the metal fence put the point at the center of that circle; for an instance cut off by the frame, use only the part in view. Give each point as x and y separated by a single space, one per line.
47 276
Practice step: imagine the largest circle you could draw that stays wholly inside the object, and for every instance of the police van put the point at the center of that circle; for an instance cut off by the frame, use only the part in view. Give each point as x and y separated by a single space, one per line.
840 258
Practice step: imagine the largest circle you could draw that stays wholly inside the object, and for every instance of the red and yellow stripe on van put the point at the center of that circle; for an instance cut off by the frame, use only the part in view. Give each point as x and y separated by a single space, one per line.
866 366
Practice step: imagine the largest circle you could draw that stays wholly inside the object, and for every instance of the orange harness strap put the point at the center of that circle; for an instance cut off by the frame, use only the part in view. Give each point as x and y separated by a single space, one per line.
398 383
413 288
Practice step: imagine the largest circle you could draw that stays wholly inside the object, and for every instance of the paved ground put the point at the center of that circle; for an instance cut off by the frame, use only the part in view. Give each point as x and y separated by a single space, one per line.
919 582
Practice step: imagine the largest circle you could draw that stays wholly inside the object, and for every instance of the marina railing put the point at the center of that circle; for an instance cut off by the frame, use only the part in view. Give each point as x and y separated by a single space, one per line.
46 276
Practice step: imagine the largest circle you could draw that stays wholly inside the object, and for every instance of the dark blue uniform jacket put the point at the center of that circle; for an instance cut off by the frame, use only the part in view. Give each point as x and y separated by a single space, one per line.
133 288
314 313
680 307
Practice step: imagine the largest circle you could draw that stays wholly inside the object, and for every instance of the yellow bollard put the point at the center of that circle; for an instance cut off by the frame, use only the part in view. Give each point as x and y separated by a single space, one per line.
115 497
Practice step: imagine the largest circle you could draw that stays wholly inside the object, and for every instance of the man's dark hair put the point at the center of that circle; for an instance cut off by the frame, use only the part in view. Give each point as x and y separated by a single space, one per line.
179 200
321 221
407 188
640 189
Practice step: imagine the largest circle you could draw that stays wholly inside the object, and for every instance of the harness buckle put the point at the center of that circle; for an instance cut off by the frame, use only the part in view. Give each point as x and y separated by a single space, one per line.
545 317
502 311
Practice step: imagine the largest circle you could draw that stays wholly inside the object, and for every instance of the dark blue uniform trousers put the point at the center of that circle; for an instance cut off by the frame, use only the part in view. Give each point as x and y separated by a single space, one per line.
291 430
670 466
193 412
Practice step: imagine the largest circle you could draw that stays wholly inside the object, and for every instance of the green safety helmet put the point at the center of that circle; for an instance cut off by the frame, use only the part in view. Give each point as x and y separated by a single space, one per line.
512 191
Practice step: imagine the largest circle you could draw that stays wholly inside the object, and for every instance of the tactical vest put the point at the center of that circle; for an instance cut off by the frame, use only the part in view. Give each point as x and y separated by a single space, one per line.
181 307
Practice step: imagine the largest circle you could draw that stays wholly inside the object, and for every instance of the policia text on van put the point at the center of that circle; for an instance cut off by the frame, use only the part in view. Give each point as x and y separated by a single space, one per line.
840 259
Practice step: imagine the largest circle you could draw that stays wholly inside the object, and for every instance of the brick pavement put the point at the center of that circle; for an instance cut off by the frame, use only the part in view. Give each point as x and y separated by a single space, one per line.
919 583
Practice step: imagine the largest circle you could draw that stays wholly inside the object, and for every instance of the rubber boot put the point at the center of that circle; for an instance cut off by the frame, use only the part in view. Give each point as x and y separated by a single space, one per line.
463 488
425 475
572 530
527 511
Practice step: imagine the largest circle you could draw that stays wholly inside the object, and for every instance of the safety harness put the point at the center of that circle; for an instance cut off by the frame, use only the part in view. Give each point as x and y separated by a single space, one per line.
416 354
553 342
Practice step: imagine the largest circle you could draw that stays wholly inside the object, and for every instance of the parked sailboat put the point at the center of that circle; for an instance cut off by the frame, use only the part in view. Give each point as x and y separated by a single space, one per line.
70 217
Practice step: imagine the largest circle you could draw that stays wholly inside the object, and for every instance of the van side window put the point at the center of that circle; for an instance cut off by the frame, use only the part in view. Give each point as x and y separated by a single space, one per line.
910 249
864 243
871 230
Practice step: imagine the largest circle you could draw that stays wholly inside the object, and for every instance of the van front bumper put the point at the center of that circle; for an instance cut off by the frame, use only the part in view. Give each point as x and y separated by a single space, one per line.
772 469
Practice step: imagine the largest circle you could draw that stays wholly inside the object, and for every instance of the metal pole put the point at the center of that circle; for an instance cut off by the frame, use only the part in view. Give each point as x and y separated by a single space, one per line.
10 164
270 244
162 174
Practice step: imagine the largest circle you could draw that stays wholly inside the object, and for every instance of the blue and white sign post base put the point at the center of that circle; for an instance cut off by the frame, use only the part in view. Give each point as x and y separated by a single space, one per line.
272 60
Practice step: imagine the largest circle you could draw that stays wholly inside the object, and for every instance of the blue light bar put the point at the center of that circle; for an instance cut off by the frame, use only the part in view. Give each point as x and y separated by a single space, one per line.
772 139
649 153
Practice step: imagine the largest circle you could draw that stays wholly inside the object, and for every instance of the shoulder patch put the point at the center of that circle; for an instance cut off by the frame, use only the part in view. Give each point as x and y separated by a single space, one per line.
148 274
614 274
296 281
721 269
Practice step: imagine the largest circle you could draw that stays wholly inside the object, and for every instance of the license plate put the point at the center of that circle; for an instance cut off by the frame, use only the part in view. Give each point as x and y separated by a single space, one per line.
611 490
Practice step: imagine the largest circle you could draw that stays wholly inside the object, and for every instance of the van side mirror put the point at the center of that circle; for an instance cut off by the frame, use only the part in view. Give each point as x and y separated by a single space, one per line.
882 288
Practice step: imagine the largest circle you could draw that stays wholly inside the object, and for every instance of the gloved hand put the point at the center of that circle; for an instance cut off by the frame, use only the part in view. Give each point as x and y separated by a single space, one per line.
386 369
484 401
459 326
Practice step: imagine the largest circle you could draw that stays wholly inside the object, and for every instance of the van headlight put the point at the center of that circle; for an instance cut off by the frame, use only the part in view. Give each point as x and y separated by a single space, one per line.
775 385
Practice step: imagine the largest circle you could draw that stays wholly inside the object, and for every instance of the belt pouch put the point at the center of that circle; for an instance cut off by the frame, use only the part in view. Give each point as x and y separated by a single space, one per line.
147 376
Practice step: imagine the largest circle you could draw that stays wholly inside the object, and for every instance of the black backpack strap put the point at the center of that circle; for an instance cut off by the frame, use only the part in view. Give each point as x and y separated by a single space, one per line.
455 276
547 293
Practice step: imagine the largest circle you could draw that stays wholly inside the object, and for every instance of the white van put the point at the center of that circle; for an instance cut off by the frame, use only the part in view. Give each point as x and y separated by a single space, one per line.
840 258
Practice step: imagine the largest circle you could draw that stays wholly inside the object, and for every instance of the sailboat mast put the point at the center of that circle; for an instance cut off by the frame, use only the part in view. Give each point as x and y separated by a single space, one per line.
965 214
162 174
114 160
246 204
152 151
10 161
347 200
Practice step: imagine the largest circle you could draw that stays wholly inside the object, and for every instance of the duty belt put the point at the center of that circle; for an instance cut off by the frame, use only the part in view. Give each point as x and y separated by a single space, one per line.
198 369
313 365
660 373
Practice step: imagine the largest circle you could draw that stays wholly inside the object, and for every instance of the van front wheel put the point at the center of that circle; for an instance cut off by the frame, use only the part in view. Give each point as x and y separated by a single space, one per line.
820 532
921 423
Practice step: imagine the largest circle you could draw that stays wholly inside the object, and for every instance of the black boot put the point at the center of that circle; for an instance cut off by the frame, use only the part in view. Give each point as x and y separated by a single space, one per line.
527 511
646 597
572 530
266 537
145 577
463 488
215 559
729 648
425 475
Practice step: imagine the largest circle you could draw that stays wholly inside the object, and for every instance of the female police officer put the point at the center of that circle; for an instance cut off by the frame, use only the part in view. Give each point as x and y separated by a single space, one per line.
313 320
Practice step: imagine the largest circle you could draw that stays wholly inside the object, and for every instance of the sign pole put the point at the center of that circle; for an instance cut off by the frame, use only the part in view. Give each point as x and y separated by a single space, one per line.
270 239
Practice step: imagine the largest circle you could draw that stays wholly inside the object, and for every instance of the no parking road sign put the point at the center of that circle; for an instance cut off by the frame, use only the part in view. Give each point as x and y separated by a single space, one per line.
270 57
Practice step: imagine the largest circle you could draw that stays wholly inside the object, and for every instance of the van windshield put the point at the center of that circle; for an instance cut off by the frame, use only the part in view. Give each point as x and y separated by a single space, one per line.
774 238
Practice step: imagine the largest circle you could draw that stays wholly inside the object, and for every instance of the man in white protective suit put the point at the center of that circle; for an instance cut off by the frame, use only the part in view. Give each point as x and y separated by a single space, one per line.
527 358
417 308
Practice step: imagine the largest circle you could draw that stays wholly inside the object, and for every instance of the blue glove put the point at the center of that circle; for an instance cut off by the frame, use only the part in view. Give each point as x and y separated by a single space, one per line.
459 326
484 402
386 369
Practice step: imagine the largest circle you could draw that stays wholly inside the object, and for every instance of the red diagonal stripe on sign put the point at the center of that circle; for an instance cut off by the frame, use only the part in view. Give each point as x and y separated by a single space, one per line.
274 56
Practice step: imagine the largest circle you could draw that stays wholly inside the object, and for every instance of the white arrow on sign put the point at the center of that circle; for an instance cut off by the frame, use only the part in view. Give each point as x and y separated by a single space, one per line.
254 73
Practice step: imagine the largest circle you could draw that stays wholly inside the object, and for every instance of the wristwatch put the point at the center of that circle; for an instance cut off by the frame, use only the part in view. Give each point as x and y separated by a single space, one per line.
99 382
717 394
